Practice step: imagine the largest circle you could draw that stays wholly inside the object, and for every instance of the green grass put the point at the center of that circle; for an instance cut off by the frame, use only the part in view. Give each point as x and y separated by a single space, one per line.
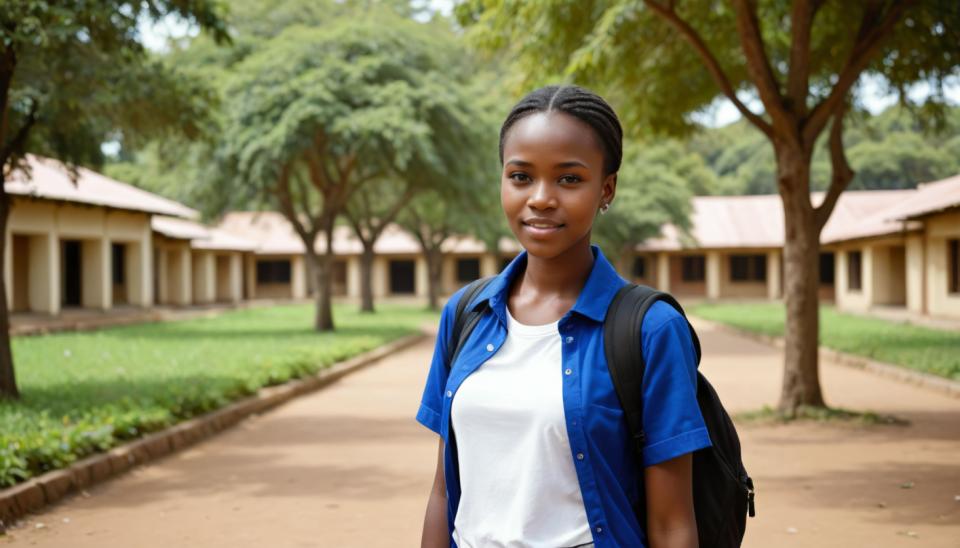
767 414
87 392
927 350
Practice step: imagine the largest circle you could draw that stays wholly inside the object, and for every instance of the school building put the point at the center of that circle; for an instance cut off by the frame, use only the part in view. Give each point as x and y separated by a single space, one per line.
100 244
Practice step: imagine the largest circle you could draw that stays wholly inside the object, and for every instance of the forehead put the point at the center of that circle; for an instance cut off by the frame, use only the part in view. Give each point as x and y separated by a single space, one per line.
552 134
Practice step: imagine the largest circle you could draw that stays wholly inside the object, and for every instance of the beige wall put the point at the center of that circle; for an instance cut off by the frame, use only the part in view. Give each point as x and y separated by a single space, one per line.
939 230
915 268
852 299
45 224
889 275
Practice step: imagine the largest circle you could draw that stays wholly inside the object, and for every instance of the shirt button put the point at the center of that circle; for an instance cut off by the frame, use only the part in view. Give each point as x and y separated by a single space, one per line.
569 340
489 348
568 372
599 529
579 456
449 393
573 423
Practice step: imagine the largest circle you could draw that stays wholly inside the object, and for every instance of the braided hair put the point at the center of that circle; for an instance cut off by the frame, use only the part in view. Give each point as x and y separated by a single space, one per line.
580 103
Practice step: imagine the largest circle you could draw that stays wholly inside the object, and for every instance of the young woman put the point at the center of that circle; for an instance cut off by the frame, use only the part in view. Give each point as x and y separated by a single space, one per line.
534 451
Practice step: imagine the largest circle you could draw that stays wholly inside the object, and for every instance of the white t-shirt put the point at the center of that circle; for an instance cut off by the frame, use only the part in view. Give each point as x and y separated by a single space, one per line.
518 482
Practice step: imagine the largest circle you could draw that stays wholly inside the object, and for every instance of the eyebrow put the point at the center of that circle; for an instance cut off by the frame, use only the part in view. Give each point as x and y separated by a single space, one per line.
571 163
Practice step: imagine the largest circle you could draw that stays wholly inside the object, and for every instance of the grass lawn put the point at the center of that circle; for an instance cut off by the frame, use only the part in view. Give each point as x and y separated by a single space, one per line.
928 350
87 392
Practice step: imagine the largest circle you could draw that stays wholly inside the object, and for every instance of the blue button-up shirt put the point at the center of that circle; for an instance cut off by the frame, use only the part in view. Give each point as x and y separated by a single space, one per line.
601 448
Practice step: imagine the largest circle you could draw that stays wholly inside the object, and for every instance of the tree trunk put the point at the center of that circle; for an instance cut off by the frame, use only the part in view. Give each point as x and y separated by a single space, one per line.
801 375
324 300
8 379
434 271
366 278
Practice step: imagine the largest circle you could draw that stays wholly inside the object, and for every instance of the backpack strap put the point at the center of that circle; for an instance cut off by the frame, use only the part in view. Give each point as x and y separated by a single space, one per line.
622 346
463 322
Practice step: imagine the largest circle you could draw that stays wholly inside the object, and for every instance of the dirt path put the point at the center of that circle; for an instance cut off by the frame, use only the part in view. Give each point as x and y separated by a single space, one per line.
348 467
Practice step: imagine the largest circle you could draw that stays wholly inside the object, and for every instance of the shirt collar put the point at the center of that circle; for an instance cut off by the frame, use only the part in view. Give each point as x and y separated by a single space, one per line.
602 285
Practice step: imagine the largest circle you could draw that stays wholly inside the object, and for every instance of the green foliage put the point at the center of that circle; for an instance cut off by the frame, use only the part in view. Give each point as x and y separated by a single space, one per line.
924 349
87 392
77 74
654 187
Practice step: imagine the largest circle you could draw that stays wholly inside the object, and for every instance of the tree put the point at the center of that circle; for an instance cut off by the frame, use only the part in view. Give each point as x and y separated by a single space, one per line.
663 60
73 73
432 220
316 113
654 187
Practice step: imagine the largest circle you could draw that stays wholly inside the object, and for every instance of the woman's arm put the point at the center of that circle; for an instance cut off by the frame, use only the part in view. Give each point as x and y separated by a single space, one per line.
670 517
435 531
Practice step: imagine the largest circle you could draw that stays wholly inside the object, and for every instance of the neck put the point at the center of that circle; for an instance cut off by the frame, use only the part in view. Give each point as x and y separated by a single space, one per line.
563 275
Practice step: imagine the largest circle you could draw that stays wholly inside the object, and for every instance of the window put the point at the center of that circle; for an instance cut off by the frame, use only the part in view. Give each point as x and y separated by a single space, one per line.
693 268
748 268
854 260
468 270
953 262
639 267
826 269
273 272
117 252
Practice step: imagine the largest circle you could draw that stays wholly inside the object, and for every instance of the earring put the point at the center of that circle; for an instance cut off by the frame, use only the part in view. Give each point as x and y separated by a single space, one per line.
604 208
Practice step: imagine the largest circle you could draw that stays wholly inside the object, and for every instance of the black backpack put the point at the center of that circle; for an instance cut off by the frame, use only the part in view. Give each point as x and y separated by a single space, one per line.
722 491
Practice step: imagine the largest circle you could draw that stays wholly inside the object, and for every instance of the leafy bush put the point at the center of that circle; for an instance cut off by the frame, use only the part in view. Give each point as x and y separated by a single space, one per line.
84 393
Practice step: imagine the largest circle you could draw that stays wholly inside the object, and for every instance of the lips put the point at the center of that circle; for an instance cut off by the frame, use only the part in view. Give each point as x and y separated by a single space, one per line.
541 228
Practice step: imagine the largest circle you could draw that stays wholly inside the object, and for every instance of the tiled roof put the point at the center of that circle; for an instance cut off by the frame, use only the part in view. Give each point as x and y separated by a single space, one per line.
728 222
273 235
930 198
49 179
200 236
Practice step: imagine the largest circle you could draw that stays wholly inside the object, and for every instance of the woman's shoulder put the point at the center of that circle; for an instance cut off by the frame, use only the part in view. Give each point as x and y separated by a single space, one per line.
659 314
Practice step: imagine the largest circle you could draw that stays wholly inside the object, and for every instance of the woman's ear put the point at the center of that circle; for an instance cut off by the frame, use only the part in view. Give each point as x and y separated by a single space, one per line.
609 188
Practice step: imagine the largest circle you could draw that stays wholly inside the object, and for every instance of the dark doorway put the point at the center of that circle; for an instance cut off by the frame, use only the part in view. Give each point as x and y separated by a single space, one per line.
468 270
401 276
118 264
827 268
72 261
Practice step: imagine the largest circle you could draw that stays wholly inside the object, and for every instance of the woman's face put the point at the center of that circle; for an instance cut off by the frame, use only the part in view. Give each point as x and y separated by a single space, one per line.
552 182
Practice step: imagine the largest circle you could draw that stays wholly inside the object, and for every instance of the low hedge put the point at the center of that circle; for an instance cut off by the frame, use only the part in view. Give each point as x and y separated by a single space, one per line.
84 393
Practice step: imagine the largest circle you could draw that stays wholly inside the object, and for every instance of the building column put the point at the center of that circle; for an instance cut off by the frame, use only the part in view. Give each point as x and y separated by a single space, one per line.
353 276
713 275
663 272
488 265
236 277
773 275
44 272
139 271
914 259
8 266
204 277
97 291
298 277
250 267
421 275
183 277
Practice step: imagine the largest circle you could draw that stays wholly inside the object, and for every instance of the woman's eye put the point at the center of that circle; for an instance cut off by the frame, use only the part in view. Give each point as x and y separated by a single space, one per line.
519 177
570 179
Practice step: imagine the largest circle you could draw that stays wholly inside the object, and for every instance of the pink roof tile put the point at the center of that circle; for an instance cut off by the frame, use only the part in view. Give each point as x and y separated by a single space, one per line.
930 198
49 179
200 236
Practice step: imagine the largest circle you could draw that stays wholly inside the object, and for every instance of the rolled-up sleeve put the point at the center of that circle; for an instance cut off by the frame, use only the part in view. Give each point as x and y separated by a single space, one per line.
431 403
672 421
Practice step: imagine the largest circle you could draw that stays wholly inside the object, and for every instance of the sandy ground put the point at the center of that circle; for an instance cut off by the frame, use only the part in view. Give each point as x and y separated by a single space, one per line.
349 467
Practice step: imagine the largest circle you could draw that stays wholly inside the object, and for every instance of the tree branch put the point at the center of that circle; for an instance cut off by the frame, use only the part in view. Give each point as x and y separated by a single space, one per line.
841 173
869 38
798 77
16 144
713 66
758 66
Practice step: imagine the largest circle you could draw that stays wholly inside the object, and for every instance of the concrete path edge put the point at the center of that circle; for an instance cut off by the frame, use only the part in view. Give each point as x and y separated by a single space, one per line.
888 370
36 493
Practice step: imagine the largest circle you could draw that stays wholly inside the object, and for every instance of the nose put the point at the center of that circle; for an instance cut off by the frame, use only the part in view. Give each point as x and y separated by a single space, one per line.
542 196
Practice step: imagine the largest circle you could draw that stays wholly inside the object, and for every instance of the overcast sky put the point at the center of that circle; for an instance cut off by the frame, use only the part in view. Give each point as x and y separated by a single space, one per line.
721 113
